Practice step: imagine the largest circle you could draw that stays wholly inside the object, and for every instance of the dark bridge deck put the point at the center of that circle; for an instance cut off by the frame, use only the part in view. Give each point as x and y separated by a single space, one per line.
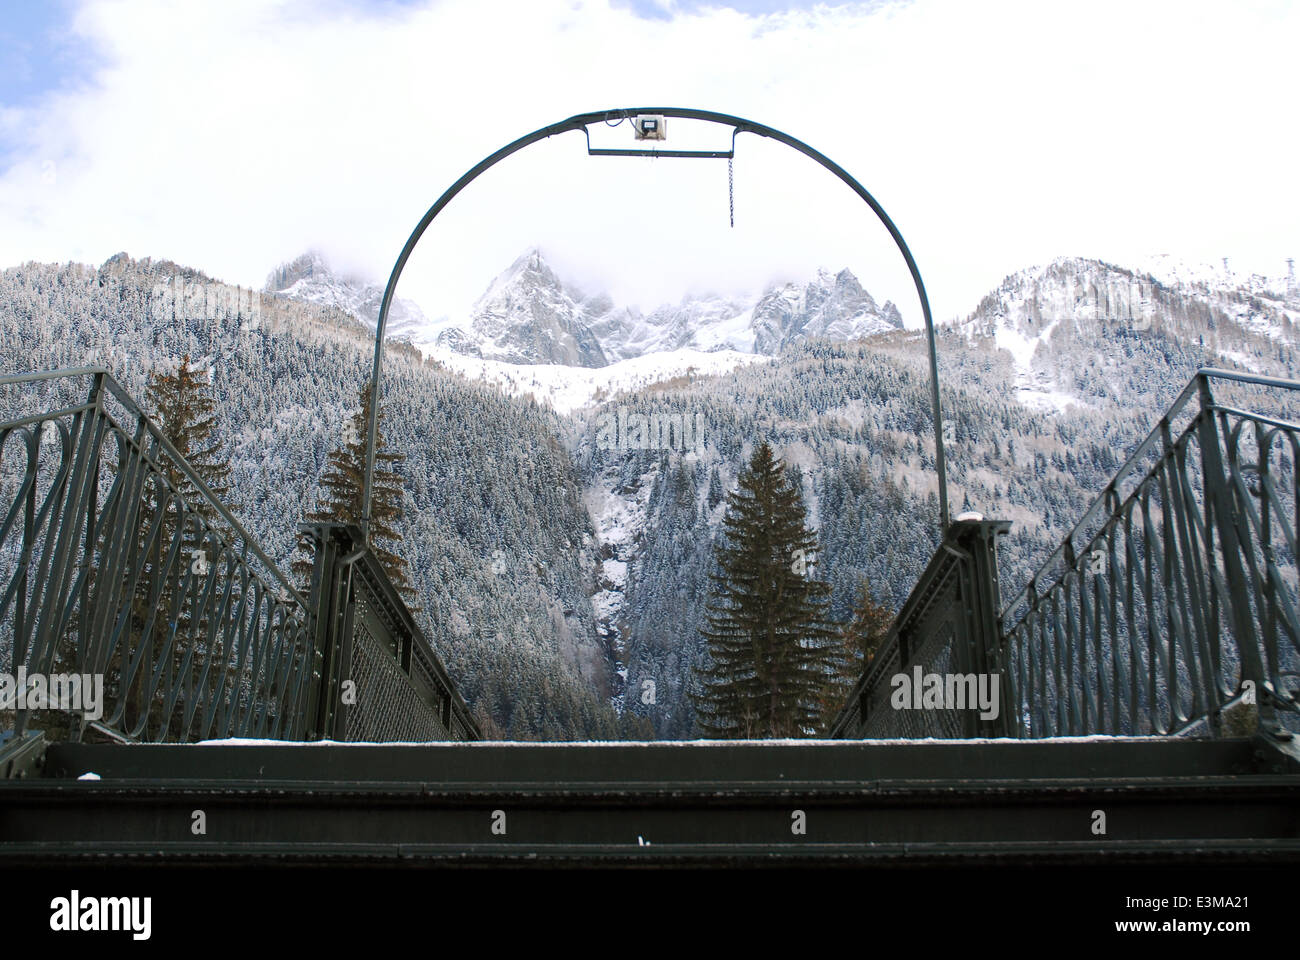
1216 801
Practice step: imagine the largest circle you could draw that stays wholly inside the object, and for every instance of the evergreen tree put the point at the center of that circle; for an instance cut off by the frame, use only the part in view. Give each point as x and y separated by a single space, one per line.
185 410
859 640
770 647
343 481
715 489
867 630
181 403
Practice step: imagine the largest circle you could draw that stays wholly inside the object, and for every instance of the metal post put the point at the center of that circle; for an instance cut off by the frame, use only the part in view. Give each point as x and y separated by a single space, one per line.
1227 517
328 592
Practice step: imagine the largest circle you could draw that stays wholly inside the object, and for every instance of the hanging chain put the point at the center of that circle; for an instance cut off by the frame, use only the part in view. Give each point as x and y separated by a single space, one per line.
731 188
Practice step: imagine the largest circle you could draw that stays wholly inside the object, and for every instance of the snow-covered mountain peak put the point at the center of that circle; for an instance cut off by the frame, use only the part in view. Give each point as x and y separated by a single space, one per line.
529 314
311 278
1077 314
831 305
529 272
303 267
1072 289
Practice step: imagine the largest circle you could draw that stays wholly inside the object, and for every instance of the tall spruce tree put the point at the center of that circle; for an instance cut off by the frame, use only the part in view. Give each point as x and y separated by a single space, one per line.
770 647
182 404
342 482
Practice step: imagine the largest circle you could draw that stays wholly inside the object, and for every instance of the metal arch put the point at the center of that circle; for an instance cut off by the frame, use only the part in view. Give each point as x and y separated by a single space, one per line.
580 122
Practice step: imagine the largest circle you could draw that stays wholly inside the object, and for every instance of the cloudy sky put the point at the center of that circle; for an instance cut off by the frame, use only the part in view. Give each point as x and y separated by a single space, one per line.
233 135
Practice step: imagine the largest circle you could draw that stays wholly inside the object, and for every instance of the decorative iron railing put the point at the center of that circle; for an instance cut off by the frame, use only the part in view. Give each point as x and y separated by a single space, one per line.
119 565
1175 596
121 568
1170 609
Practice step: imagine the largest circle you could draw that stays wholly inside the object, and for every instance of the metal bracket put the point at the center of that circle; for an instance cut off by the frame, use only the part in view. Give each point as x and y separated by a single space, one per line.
22 755
653 152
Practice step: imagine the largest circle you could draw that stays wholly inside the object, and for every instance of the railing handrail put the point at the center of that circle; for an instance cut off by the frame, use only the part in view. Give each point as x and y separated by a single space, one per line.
121 395
1102 504
37 375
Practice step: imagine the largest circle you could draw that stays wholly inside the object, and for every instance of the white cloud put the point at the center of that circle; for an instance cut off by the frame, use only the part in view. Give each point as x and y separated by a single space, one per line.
233 136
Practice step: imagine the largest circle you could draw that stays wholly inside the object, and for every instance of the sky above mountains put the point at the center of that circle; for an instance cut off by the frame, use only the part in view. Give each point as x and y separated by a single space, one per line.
233 136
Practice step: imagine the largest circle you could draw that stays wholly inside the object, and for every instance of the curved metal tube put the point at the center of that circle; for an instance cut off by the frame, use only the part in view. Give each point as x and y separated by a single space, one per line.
580 122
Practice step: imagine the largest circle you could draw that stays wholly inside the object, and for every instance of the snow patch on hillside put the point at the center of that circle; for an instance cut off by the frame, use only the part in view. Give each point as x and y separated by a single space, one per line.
1236 356
619 517
1174 271
566 389
1032 389
734 334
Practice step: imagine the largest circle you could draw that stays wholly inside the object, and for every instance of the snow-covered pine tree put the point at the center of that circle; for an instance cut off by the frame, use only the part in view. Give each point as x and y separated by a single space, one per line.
181 402
716 494
770 647
343 481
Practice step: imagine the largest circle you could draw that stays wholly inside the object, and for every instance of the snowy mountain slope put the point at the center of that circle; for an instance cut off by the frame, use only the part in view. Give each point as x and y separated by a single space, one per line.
310 279
566 389
1064 325
1174 271
697 323
619 513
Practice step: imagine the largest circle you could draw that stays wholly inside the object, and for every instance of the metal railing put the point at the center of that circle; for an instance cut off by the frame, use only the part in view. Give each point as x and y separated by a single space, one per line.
1170 608
1175 596
948 626
381 680
120 565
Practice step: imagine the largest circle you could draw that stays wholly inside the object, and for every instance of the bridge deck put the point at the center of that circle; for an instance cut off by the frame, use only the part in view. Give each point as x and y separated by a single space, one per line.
882 802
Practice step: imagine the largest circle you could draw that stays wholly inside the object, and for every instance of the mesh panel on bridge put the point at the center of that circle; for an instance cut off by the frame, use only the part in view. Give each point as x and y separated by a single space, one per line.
117 561
934 655
388 706
931 636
